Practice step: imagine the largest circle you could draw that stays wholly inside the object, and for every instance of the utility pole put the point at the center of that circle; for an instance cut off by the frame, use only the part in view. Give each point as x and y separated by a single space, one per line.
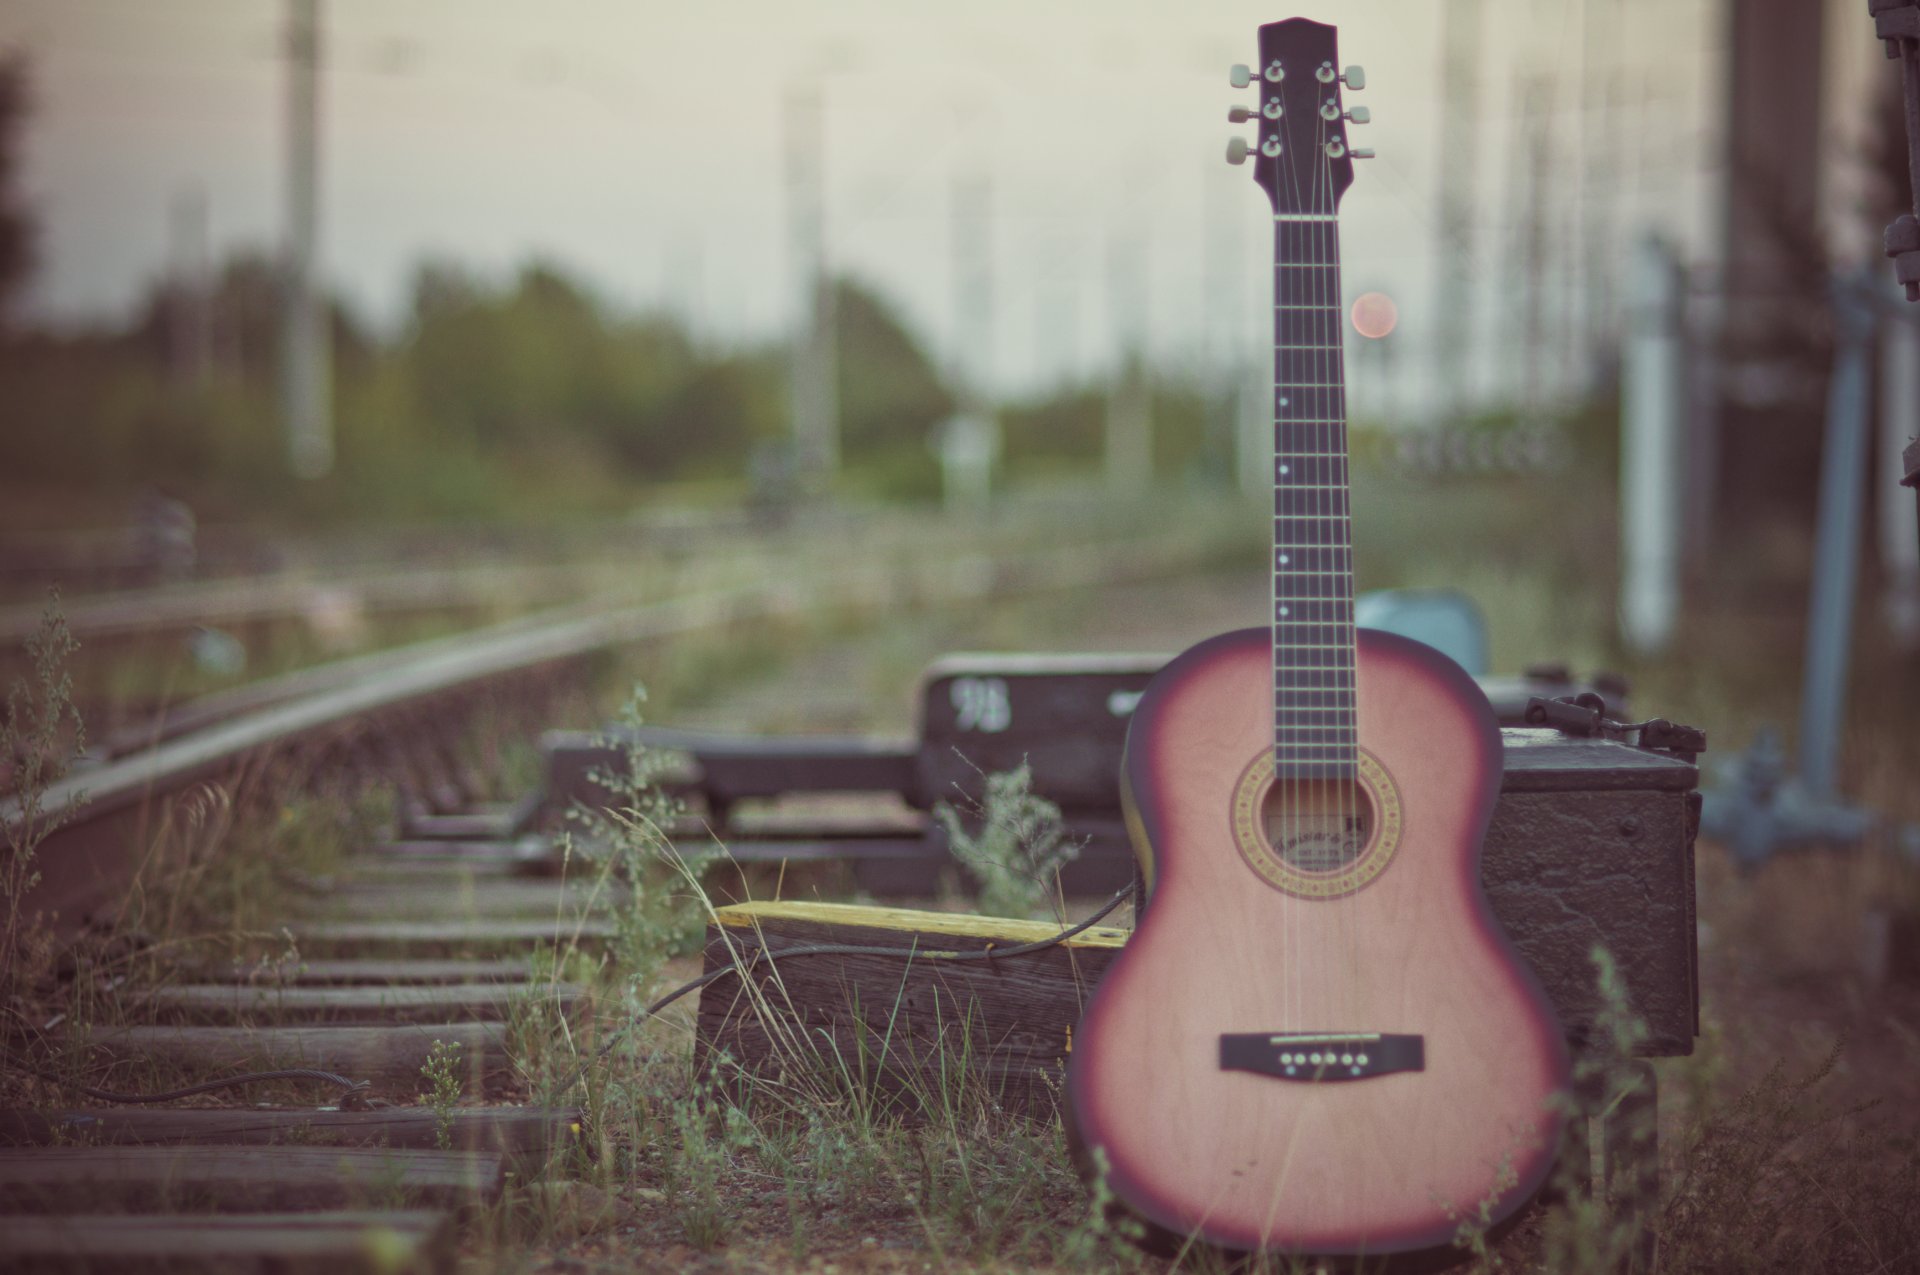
1598 184
1459 133
1531 161
306 360
970 441
1129 442
189 318
813 374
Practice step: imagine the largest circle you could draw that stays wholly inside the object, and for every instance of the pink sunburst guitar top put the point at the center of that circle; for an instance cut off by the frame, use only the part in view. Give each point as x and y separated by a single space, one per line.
1318 1040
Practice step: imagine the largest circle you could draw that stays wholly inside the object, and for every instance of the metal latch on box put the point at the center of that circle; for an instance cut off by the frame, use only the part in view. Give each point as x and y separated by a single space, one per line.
1585 715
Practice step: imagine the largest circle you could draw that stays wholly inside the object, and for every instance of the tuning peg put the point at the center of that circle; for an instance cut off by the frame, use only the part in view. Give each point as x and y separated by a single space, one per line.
1238 114
1236 150
1239 76
1360 115
1355 78
1360 152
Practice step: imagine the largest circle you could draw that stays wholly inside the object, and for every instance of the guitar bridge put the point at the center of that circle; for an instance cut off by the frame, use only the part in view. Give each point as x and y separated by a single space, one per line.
1316 1056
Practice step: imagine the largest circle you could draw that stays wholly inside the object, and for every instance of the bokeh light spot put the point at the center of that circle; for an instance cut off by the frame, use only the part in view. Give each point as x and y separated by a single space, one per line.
1374 314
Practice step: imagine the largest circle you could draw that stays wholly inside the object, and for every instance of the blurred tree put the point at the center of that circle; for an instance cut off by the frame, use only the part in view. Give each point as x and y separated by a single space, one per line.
891 398
16 220
1064 429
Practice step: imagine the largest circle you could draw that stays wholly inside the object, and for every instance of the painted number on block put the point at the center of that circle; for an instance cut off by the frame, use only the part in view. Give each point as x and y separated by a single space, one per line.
980 703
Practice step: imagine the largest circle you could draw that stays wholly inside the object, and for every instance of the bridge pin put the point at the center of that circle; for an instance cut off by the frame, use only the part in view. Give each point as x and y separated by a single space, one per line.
1346 1060
1314 1059
1361 1059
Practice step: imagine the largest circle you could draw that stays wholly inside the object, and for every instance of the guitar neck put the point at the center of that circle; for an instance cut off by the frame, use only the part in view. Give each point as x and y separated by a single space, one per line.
1313 649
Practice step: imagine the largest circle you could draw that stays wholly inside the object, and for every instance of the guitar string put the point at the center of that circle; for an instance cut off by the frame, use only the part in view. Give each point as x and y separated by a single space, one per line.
1286 781
1326 588
1334 376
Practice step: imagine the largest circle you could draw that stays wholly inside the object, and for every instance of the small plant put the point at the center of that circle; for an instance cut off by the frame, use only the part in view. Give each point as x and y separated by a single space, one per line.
40 738
631 838
1020 847
708 1132
441 1071
1589 1232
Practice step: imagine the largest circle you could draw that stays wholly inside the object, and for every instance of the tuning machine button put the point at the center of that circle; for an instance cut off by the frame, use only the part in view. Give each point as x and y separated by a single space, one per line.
1236 150
1360 152
1355 78
1360 115
1239 114
1239 76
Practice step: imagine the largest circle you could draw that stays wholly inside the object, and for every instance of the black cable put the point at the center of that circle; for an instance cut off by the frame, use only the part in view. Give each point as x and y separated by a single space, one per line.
230 1082
760 953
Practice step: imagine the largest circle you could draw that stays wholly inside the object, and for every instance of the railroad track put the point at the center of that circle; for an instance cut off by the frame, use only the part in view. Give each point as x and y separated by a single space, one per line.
430 962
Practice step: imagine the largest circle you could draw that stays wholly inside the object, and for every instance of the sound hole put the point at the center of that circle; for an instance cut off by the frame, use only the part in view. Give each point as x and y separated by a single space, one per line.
1317 825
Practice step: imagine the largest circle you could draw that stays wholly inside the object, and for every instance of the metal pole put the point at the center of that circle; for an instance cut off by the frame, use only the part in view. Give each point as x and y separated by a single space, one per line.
1129 441
1899 534
813 374
1459 134
1651 398
306 381
1836 558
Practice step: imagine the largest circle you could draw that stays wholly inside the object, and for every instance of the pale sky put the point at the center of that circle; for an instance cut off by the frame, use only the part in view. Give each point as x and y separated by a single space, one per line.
640 146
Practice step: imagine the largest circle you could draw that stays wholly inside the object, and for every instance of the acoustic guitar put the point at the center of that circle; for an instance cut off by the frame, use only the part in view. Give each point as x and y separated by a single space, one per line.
1318 1040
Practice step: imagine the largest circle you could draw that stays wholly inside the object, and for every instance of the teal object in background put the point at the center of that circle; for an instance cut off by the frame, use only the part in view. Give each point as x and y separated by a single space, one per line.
1447 621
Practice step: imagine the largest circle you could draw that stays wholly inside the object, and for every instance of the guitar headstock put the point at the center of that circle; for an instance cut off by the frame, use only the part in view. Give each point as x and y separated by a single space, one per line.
1300 156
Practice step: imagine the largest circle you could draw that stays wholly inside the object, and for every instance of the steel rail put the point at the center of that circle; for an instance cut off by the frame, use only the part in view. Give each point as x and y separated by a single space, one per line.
84 858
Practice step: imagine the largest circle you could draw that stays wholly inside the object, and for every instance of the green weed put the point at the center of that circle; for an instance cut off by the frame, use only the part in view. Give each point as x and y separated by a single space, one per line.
441 1072
1019 847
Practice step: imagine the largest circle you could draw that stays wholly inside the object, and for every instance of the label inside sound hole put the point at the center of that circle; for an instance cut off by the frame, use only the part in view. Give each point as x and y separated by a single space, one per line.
1316 839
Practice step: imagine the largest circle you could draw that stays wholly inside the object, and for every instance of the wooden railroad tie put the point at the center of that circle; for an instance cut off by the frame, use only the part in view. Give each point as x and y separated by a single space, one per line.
231 1179
525 1137
331 1242
910 1031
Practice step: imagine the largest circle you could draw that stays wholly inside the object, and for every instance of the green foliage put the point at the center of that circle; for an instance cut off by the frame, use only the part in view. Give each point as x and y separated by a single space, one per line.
891 398
529 394
708 1133
1020 846
631 838
441 1071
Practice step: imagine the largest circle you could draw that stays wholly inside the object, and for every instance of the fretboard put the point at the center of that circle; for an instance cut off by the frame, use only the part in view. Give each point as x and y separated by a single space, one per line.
1313 653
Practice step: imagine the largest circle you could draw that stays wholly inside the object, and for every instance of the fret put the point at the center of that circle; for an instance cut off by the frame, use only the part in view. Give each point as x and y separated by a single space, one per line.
1331 305
1312 558
1310 385
1307 325
1335 659
1316 607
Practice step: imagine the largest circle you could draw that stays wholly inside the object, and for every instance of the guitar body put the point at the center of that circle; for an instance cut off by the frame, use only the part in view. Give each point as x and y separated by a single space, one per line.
1395 937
